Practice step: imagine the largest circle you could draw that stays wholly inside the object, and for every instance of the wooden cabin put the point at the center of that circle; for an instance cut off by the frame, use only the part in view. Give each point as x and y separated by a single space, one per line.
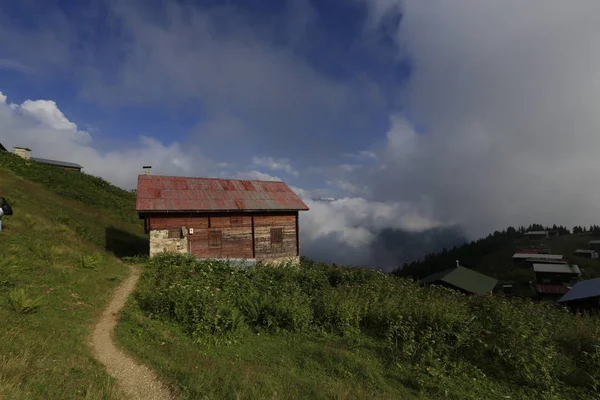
220 218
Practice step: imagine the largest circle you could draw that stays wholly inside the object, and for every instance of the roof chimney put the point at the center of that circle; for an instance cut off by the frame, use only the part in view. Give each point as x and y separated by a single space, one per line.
23 152
147 169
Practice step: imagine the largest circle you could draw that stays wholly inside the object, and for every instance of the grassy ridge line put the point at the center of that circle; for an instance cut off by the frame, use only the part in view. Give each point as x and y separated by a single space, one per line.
55 248
86 189
320 331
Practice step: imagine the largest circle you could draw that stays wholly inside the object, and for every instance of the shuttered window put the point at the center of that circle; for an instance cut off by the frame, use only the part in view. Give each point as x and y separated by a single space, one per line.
276 235
215 239
175 233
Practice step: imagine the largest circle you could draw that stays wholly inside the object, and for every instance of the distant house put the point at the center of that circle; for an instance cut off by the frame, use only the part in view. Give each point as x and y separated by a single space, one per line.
592 254
551 281
555 274
539 249
25 153
462 279
524 260
584 296
536 235
549 292
594 245
220 218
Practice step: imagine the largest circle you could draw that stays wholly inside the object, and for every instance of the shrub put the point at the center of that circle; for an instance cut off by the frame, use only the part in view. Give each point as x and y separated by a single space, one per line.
88 262
448 335
21 303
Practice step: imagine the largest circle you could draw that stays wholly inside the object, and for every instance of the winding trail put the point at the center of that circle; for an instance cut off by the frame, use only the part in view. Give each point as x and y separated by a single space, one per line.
136 380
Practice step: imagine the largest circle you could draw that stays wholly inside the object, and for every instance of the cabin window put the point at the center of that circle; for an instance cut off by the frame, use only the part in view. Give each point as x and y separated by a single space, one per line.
276 235
215 239
175 233
236 219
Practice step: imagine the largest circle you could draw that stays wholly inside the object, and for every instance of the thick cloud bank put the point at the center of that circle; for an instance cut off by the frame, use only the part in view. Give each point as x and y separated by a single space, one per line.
506 96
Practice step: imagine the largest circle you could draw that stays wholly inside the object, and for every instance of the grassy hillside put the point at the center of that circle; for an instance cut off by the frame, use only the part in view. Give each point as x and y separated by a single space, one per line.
324 332
86 189
59 249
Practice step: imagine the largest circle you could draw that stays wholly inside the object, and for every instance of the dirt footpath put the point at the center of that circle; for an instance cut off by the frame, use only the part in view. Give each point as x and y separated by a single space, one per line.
137 381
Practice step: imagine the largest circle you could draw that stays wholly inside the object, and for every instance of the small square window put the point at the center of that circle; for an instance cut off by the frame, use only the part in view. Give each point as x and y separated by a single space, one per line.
236 219
175 233
215 239
276 235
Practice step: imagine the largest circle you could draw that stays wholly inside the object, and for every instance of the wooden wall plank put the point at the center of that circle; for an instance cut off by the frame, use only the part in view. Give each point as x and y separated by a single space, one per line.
248 238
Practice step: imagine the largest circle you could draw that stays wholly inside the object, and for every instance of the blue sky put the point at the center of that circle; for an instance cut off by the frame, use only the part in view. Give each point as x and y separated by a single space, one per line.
413 114
324 44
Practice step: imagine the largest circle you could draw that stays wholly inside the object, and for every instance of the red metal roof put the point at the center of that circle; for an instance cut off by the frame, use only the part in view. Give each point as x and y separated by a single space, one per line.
182 194
551 289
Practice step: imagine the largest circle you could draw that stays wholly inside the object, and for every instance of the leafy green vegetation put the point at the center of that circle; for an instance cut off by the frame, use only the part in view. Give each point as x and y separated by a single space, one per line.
57 272
21 303
321 331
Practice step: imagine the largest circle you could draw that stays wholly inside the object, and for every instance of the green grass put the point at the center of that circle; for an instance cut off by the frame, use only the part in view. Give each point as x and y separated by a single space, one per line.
318 331
262 367
56 276
86 189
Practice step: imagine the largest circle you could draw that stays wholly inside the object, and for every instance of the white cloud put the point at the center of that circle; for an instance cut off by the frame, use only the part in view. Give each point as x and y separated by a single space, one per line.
257 175
507 96
13 65
282 164
41 126
363 155
346 230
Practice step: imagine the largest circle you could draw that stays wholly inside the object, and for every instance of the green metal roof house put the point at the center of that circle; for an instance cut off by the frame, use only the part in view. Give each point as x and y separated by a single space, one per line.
462 279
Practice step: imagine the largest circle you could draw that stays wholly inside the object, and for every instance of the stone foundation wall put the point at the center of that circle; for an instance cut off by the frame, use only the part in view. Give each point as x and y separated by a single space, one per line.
160 241
280 260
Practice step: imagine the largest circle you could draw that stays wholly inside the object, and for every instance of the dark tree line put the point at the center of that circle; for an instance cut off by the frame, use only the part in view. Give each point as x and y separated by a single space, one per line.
471 253
593 230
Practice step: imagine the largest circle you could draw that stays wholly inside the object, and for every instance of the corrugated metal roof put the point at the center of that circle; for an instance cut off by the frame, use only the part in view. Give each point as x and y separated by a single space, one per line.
538 256
173 193
583 290
547 261
583 251
551 289
464 278
55 162
557 268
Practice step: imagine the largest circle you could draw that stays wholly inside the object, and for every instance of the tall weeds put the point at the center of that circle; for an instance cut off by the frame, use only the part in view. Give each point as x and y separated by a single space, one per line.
442 332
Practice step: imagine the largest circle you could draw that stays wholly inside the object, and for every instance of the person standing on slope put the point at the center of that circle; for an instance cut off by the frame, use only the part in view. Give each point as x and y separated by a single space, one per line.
5 209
